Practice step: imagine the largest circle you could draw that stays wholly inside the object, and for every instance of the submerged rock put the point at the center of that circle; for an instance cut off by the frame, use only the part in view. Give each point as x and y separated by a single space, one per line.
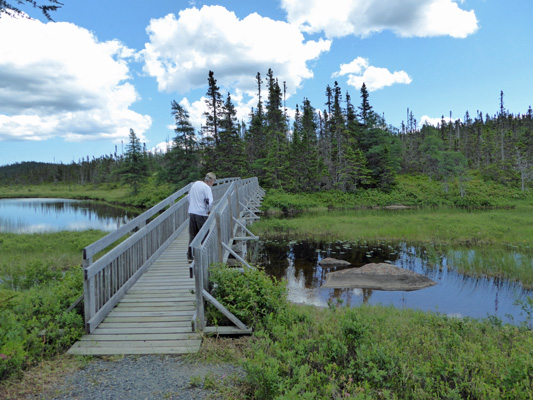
333 262
379 277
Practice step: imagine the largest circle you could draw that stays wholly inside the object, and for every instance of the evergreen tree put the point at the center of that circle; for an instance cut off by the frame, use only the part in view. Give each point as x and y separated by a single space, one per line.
134 170
211 128
45 7
365 109
181 163
276 164
230 151
305 160
256 135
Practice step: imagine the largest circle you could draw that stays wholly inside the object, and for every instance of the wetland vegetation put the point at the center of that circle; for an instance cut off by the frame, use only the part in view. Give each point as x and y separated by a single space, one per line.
363 352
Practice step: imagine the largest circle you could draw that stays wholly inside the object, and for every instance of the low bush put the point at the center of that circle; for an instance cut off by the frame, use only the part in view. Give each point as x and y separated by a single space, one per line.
250 295
373 352
34 324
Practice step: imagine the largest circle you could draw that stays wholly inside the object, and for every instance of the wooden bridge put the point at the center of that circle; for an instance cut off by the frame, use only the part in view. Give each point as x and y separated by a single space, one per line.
142 296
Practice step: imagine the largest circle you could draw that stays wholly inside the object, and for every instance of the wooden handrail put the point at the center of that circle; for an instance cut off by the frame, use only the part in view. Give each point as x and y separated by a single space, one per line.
213 242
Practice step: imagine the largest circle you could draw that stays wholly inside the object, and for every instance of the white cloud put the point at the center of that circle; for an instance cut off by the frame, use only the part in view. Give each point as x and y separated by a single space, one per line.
58 80
406 18
182 50
435 121
360 71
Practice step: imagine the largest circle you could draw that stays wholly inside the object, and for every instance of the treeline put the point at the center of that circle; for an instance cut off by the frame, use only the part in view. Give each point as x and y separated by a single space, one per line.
345 146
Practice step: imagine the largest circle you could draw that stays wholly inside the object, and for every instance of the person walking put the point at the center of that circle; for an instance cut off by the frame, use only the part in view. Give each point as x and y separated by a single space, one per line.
200 204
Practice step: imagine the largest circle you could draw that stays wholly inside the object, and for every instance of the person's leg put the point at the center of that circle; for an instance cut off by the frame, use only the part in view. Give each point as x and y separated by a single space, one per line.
195 224
192 233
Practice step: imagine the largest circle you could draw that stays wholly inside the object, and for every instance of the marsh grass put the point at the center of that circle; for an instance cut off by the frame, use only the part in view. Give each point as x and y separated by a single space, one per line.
440 226
27 260
149 194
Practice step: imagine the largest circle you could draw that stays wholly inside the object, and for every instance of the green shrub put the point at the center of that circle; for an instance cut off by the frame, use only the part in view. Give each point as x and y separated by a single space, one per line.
34 323
250 295
374 352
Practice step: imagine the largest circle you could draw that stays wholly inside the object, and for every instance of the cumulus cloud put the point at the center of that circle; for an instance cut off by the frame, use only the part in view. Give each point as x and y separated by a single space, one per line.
182 50
360 71
58 80
406 18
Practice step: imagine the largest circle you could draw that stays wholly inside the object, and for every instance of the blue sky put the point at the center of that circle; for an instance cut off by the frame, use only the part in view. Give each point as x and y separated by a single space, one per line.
74 87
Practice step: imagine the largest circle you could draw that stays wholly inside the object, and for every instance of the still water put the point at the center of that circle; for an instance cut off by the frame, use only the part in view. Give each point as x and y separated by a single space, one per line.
51 215
454 295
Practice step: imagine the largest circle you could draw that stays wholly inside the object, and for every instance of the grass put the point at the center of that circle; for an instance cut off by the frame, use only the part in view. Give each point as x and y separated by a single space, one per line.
150 193
449 226
41 379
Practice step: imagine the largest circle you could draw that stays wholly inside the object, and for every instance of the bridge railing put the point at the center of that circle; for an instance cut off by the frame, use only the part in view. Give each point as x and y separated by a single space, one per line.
225 225
107 279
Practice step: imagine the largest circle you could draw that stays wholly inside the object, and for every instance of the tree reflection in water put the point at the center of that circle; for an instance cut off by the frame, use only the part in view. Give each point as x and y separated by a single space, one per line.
455 294
44 215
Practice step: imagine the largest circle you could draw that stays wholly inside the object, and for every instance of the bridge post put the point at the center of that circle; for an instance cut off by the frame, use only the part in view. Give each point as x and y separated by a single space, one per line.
199 284
220 253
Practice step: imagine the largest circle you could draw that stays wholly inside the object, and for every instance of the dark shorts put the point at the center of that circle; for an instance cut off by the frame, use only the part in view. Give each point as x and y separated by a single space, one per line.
195 224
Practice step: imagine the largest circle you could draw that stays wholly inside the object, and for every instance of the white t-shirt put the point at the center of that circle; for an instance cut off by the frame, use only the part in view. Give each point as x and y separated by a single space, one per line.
200 198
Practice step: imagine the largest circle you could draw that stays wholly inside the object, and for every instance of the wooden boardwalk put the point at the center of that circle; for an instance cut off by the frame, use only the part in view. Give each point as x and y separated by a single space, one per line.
154 317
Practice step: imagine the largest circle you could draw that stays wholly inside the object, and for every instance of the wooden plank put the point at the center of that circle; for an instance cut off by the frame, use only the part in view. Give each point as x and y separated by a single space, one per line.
141 325
157 309
130 344
105 351
144 337
149 314
138 319
140 330
140 305
159 299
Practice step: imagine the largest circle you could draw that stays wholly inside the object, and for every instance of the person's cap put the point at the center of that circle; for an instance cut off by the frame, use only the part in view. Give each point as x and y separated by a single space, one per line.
210 176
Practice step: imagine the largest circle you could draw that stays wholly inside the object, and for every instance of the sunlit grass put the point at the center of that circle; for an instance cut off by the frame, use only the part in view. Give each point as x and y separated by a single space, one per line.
439 226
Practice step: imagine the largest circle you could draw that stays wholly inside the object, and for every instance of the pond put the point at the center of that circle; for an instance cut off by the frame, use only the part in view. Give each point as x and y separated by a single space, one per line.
454 295
39 215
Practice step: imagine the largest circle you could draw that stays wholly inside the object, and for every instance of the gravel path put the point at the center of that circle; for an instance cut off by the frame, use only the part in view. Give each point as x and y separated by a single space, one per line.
148 377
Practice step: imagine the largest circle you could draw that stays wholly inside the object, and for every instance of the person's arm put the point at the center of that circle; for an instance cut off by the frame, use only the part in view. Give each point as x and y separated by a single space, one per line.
209 199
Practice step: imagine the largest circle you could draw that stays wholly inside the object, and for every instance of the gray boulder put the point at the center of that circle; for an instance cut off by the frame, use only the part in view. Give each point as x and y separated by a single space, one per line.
380 276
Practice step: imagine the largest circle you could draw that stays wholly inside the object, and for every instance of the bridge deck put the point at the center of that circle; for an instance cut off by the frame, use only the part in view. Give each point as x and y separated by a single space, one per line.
154 316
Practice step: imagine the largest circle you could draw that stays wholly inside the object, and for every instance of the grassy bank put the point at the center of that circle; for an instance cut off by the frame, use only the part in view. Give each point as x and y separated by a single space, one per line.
150 193
440 226
41 277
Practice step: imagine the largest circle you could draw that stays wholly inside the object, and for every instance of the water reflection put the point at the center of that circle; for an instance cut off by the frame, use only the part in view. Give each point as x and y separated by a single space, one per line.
49 215
454 294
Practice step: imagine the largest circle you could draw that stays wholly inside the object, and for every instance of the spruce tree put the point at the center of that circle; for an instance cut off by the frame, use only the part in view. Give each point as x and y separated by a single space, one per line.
230 150
276 165
210 130
135 169
181 162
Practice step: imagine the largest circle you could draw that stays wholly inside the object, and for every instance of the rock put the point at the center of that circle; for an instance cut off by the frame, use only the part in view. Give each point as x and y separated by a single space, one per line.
333 262
379 277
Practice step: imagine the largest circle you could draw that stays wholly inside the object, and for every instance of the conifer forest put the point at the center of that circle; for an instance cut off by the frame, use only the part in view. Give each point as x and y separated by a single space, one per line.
342 144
